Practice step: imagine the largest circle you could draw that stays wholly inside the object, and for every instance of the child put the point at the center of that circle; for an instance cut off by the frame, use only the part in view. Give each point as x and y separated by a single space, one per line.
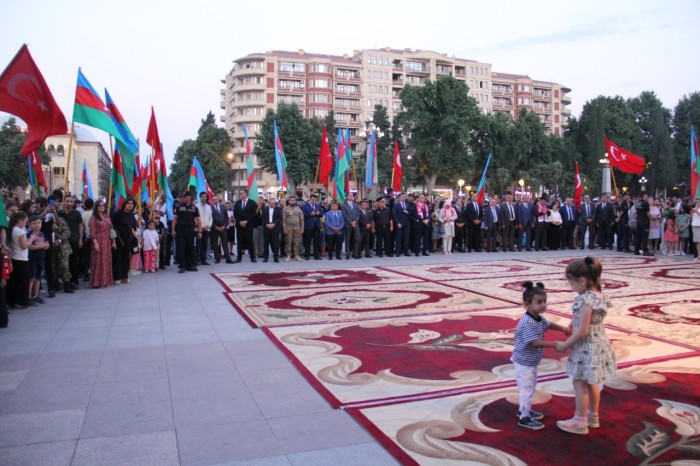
671 234
37 253
528 347
592 360
18 284
151 243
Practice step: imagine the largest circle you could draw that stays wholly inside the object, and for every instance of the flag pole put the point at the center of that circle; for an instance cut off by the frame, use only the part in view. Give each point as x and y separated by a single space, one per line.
318 166
612 172
109 199
354 174
70 151
152 180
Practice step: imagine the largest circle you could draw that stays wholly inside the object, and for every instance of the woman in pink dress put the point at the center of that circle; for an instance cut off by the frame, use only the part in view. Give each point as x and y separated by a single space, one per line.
102 245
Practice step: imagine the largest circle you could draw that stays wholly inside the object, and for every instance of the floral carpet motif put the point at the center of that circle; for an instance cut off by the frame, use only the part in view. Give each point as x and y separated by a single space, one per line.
614 261
474 270
303 305
687 273
650 414
391 358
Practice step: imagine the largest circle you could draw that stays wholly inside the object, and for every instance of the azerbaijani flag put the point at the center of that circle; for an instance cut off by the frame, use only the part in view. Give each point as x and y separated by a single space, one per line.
131 148
117 178
281 160
694 165
341 168
32 178
252 181
86 188
371 170
480 192
198 180
90 110
36 173
348 157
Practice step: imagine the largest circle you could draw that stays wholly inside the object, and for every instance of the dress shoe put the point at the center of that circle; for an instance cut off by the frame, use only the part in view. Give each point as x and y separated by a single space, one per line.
182 270
229 261
426 254
330 258
545 249
338 257
648 254
52 294
67 288
238 259
253 259
306 258
205 263
217 261
162 267
276 259
417 254
264 259
368 256
319 258
192 269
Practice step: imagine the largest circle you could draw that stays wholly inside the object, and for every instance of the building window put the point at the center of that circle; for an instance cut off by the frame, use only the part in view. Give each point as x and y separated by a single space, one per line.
319 83
322 68
59 171
292 67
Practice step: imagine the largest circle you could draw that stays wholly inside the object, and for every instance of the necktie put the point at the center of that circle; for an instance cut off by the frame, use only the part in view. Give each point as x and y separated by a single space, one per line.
603 205
568 213
476 208
493 212
588 212
510 208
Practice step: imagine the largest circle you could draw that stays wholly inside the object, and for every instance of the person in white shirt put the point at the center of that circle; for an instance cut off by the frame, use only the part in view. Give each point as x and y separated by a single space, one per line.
205 217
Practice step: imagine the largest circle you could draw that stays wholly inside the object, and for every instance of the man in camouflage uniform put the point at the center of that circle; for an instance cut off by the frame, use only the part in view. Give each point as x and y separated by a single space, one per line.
62 233
293 227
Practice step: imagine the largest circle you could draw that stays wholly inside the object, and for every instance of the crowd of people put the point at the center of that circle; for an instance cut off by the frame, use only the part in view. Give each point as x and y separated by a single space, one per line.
67 241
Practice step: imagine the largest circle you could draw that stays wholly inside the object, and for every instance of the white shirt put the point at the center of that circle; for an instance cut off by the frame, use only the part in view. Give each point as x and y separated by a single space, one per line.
205 215
18 254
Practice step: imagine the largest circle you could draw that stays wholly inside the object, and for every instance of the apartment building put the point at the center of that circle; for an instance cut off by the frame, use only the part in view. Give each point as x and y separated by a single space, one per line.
351 86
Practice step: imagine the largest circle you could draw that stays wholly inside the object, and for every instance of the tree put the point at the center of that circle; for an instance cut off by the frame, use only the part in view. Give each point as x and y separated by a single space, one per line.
654 124
685 115
13 167
439 118
209 120
301 140
211 148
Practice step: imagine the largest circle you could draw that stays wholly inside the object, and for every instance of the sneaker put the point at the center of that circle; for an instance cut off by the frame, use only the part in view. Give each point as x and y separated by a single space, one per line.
593 420
574 426
533 415
529 423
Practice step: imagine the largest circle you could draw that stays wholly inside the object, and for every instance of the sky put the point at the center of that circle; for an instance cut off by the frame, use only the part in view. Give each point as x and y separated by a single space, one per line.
172 55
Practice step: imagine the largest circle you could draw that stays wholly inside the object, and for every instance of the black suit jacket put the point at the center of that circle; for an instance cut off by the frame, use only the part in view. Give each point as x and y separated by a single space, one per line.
365 218
247 214
472 214
605 216
276 216
219 219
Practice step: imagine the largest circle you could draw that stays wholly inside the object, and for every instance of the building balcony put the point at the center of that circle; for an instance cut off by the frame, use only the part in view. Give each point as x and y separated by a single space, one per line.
248 87
565 99
243 71
414 70
566 111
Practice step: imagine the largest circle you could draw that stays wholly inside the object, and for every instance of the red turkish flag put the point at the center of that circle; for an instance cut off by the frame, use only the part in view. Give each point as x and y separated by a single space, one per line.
578 190
398 169
325 159
624 160
23 92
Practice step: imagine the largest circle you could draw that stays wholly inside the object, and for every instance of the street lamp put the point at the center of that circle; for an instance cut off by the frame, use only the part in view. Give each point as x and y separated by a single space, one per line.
606 185
229 191
460 183
643 182
521 183
469 189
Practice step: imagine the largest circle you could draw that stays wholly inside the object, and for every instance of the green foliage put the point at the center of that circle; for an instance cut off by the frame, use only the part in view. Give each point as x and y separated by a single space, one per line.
209 120
685 115
439 118
211 148
13 167
301 140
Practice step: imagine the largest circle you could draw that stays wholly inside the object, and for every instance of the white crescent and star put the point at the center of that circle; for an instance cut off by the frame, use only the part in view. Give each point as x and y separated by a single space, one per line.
15 81
578 181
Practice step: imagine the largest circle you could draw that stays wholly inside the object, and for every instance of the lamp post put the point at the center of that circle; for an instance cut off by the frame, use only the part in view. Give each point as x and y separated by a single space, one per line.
643 182
229 194
521 183
469 190
460 183
606 185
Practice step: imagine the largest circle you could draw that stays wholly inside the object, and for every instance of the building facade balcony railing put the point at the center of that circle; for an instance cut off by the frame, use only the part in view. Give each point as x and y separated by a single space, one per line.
565 99
247 71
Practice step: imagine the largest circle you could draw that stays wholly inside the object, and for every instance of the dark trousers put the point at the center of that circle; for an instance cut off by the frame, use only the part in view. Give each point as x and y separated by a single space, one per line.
18 284
605 235
4 320
271 238
460 238
352 240
121 260
491 237
623 236
334 245
201 245
168 246
74 262
366 241
311 234
244 237
401 240
554 236
583 226
474 237
421 233
85 254
526 232
184 247
508 236
567 238
219 241
540 235
642 237
50 268
383 240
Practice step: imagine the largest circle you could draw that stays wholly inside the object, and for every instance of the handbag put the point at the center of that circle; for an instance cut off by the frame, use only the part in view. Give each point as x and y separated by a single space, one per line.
112 233
440 229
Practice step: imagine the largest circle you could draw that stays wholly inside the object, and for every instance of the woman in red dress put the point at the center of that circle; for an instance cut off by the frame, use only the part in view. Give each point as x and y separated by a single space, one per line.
102 245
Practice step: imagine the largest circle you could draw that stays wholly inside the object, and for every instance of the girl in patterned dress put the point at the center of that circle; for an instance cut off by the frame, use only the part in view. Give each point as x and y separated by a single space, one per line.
592 360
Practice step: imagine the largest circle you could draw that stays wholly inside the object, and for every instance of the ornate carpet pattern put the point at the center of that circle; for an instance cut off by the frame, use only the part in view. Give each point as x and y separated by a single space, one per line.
650 414
363 362
420 355
303 305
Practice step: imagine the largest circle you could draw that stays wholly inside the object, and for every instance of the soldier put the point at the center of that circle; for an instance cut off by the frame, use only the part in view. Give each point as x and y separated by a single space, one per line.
186 225
382 226
293 227
62 235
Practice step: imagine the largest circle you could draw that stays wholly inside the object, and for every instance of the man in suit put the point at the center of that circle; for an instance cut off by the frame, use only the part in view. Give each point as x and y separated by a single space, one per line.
508 223
491 225
623 226
218 234
523 217
382 226
539 220
460 227
351 215
421 227
401 227
475 215
272 225
604 222
335 223
245 212
365 224
313 211
586 214
569 217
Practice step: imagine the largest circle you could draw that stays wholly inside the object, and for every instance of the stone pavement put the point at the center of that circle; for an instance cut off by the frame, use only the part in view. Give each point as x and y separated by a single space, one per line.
164 371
